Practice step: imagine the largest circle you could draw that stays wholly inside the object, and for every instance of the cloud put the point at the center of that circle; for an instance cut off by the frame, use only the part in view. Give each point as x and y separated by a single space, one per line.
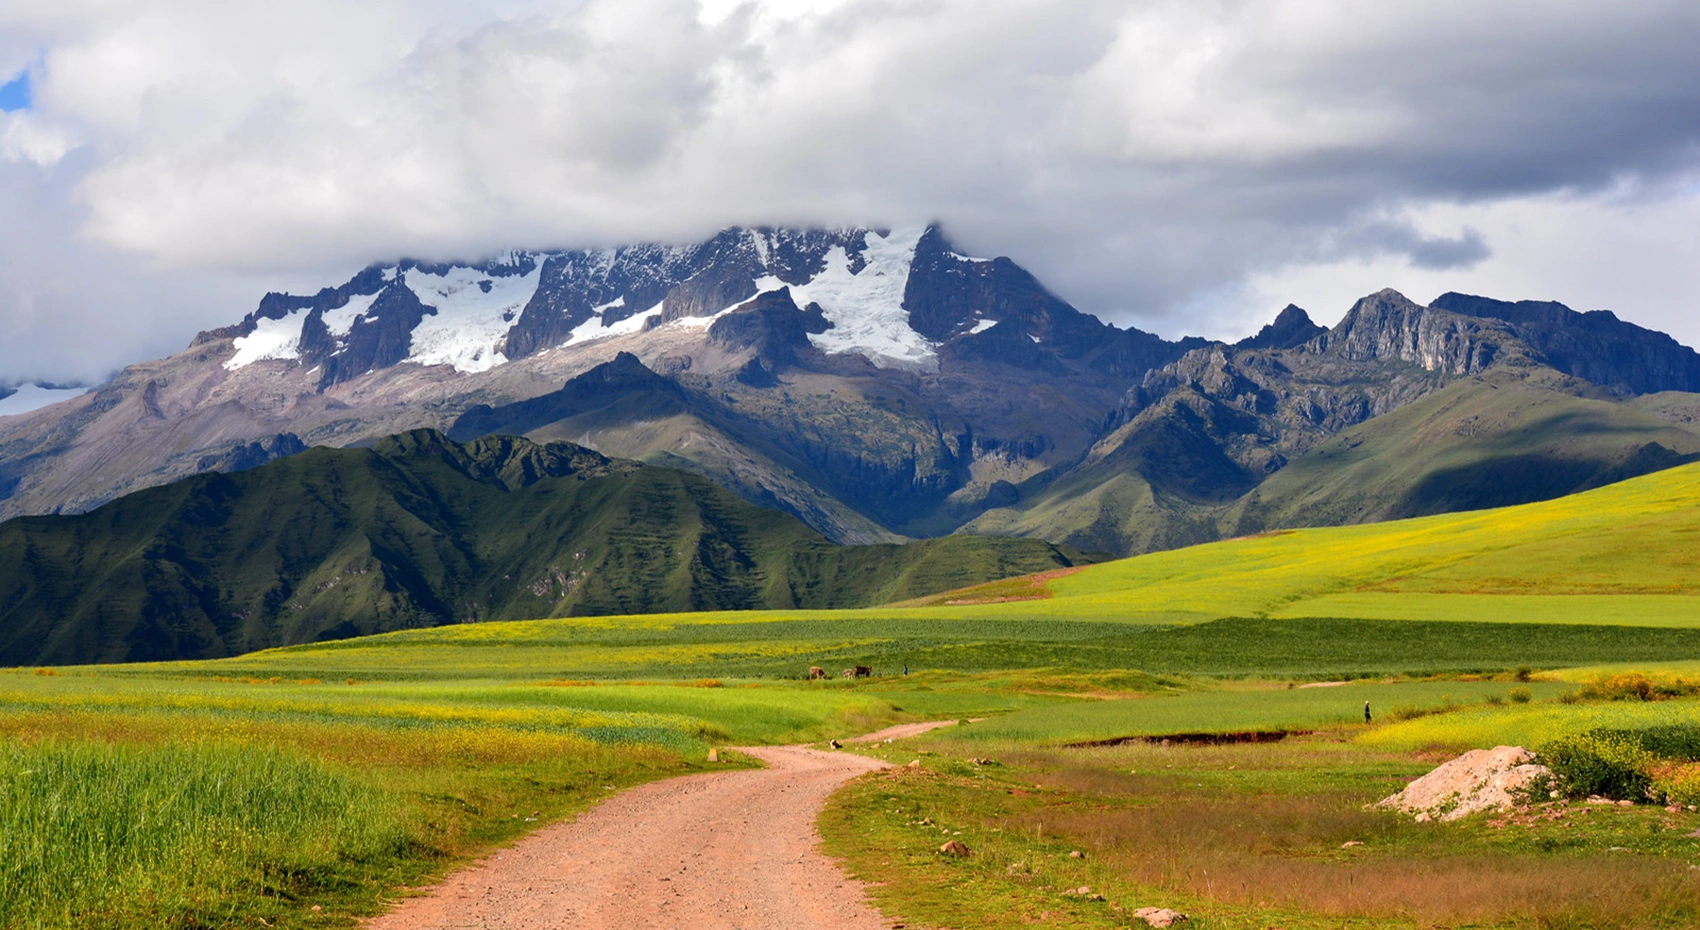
1153 161
24 136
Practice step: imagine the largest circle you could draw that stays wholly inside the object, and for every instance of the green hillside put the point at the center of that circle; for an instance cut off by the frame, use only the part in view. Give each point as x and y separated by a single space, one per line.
1626 553
1487 442
421 531
1509 436
1608 576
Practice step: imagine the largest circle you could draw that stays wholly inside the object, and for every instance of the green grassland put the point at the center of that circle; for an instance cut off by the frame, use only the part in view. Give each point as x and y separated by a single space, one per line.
352 768
1639 537
786 646
1245 836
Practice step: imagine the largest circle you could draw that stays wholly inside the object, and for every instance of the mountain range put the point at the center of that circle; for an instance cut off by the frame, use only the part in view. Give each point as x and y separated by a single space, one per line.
879 385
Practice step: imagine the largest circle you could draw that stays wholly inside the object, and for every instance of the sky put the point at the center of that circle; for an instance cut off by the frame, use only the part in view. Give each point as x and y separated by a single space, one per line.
1186 166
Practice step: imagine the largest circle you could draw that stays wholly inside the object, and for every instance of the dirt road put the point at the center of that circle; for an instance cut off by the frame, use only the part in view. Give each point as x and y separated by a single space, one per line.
718 850
901 730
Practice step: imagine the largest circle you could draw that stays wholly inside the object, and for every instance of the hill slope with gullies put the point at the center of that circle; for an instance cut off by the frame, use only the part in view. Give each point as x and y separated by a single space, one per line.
422 531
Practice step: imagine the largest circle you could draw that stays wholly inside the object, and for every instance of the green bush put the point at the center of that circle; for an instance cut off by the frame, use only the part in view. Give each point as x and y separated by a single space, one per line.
1674 741
1634 686
1600 764
1521 695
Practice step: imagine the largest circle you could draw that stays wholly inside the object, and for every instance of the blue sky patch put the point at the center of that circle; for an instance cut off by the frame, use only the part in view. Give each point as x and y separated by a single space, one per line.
15 94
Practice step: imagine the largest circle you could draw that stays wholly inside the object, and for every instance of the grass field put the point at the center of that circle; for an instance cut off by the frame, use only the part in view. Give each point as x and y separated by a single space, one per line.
785 646
1540 584
1639 537
343 771
132 799
1249 837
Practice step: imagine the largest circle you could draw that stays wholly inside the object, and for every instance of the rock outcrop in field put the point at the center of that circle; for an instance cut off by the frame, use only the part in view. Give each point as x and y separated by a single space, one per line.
1478 780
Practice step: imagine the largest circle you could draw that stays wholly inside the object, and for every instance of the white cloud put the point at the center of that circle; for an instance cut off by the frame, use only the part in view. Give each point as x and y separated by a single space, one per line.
1630 251
25 136
1165 162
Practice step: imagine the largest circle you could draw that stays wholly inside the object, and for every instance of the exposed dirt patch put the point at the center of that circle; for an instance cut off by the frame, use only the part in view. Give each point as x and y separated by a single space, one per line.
1197 739
900 731
1029 588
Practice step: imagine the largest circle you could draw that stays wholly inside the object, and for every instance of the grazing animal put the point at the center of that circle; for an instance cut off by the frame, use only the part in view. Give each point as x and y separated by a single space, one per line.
815 672
848 673
864 671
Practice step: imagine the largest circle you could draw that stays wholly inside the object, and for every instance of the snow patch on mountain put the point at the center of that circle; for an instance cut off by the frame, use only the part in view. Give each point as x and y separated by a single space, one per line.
981 325
596 328
279 339
474 311
758 240
866 307
341 320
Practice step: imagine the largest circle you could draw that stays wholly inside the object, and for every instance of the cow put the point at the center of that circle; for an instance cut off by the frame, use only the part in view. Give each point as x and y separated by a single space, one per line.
816 673
864 671
847 673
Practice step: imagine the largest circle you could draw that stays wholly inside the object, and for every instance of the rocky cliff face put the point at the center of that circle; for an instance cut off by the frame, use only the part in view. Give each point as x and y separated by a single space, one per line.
1594 346
1385 326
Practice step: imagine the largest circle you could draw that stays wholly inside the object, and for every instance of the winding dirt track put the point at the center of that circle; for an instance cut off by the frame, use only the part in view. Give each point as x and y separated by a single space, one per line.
718 850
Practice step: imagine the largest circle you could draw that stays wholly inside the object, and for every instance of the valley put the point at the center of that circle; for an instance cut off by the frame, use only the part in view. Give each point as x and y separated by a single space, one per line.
1526 624
454 556
847 465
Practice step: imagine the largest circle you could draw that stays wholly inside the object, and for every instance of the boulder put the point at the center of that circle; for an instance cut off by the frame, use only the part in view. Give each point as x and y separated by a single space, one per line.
1159 916
1478 780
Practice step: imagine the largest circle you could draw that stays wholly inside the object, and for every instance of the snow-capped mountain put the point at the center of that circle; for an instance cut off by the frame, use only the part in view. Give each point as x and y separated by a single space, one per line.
882 355
475 317
875 383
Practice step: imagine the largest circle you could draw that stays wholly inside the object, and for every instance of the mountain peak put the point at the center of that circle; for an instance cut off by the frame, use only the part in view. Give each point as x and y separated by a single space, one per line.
1595 346
1292 327
1388 326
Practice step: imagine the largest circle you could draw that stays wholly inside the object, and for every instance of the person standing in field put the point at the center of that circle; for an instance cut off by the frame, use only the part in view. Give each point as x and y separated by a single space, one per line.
1366 712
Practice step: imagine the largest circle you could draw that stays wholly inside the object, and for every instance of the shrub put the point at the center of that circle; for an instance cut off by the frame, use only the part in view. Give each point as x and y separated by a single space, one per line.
1679 784
1634 686
1600 764
1521 695
1672 741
